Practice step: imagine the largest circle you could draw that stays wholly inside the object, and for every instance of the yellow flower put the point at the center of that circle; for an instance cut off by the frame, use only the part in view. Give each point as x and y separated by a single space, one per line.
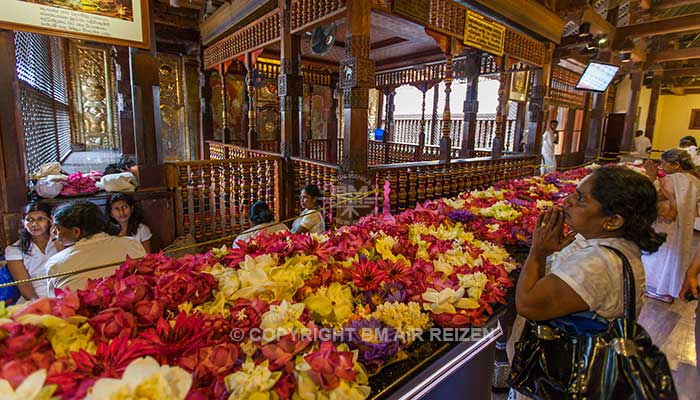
456 203
32 388
217 306
252 382
501 210
408 319
447 301
473 283
331 305
383 244
281 320
307 390
220 252
144 379
256 281
542 204
65 335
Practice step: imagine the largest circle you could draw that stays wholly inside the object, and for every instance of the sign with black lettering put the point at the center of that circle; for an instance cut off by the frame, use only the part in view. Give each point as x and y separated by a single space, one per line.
483 33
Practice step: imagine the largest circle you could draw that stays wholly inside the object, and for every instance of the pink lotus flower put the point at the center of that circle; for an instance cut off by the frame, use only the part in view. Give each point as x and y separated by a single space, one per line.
283 351
329 366
245 314
147 312
150 264
129 291
175 288
21 340
210 362
64 305
113 322
285 385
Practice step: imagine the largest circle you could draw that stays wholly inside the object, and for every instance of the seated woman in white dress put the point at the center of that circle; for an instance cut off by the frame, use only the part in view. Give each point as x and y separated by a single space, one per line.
123 210
87 235
310 220
263 221
27 257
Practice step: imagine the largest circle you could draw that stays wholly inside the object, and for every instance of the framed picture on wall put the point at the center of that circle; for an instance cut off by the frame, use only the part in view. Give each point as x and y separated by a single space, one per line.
119 22
518 85
694 119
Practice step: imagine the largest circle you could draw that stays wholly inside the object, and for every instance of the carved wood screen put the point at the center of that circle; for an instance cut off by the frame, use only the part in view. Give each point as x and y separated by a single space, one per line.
175 133
43 98
94 102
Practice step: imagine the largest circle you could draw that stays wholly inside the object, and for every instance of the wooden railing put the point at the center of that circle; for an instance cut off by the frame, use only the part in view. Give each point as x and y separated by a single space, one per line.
413 183
221 151
406 130
272 146
315 149
213 197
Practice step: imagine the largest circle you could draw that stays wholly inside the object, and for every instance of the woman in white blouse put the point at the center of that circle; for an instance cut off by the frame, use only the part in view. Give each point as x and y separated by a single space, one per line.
27 257
575 275
310 220
122 210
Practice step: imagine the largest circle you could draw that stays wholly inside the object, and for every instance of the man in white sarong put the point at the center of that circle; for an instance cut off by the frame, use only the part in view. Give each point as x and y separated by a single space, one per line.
550 138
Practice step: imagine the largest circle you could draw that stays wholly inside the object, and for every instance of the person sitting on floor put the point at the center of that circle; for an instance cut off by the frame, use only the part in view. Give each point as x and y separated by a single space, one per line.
88 237
263 221
27 257
123 210
310 220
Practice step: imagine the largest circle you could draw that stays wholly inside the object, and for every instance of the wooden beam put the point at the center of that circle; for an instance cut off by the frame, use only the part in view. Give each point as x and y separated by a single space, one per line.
671 74
527 14
645 4
683 23
674 55
231 15
673 3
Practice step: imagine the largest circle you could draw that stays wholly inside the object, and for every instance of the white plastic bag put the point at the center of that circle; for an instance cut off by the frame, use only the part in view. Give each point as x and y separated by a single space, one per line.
48 188
123 182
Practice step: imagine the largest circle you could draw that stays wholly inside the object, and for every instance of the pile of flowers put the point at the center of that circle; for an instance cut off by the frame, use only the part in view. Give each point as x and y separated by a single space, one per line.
281 316
78 184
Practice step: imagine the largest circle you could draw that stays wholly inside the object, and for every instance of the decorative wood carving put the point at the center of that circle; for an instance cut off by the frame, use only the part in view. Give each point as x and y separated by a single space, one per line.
175 138
93 77
256 35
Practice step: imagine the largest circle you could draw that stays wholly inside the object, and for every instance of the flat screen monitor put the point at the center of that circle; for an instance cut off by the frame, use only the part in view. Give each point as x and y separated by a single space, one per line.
597 76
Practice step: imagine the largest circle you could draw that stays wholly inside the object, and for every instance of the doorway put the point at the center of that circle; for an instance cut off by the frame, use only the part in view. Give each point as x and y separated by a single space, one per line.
612 140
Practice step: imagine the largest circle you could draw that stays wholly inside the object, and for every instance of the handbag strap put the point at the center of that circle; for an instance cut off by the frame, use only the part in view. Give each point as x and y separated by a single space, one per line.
628 286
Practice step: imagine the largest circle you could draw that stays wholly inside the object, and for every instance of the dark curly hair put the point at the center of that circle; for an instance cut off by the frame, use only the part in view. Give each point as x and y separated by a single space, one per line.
25 238
619 190
86 216
135 219
260 213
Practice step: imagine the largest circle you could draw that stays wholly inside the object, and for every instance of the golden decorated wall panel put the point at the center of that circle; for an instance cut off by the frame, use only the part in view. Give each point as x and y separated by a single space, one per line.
175 134
234 95
94 102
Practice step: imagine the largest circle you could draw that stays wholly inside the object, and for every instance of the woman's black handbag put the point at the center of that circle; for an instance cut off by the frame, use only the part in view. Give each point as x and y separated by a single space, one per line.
618 363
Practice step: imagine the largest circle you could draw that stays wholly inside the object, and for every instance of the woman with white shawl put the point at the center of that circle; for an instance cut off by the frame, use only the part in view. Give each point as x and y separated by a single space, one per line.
679 199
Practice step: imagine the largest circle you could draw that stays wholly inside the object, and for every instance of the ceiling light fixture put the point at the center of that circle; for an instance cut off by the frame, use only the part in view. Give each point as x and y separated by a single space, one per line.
584 29
625 57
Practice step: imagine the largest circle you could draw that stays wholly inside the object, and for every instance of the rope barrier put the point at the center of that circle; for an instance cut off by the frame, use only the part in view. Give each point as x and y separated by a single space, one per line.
360 195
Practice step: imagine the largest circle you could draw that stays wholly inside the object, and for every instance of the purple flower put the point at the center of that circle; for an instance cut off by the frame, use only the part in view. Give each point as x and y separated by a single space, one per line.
375 341
518 202
395 293
462 216
551 178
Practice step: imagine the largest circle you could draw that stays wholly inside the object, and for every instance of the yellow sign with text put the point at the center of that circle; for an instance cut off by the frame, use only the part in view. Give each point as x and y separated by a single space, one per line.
483 33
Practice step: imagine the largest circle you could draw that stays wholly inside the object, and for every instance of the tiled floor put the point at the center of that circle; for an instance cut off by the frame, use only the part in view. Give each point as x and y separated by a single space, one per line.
86 161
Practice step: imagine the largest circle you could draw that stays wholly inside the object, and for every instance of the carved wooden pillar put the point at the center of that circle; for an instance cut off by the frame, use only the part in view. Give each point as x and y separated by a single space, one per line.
445 140
435 116
471 105
595 126
290 90
126 112
501 110
537 109
568 133
423 87
245 109
356 78
519 127
206 114
653 104
13 193
631 117
147 124
289 85
332 124
252 136
389 132
225 131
